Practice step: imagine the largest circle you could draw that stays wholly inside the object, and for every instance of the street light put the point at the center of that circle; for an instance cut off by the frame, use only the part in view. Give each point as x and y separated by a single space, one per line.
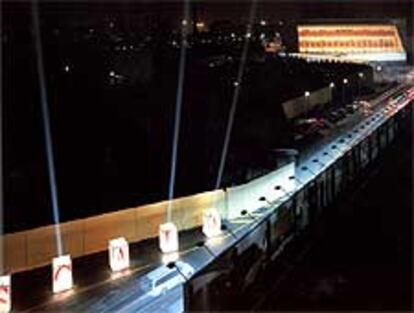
331 87
361 76
345 82
307 95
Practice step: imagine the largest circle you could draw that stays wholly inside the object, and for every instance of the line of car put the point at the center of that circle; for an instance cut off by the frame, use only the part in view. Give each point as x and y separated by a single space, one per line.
319 123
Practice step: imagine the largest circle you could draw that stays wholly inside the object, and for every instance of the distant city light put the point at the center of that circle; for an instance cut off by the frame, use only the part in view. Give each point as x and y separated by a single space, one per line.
200 25
67 69
112 73
184 22
233 35
307 93
262 36
111 24
379 68
360 74
332 85
263 22
236 83
248 35
345 81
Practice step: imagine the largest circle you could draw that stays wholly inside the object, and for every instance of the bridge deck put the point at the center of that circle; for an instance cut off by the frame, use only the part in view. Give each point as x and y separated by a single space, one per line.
96 286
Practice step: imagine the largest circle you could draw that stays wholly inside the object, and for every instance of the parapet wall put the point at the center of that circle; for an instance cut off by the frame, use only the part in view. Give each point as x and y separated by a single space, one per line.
30 249
34 248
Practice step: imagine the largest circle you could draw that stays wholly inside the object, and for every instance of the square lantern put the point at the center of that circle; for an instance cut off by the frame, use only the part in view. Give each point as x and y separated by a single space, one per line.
5 294
62 273
118 254
211 223
168 237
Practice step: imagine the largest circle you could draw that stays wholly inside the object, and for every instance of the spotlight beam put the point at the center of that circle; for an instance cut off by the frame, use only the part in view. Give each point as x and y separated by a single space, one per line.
236 94
178 105
46 128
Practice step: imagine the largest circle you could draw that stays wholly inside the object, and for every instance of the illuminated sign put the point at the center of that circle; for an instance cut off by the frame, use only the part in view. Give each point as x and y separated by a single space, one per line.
168 237
118 254
5 294
62 273
349 39
211 223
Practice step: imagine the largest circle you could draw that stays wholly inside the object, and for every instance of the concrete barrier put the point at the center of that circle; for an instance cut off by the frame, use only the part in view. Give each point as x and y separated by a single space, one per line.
34 248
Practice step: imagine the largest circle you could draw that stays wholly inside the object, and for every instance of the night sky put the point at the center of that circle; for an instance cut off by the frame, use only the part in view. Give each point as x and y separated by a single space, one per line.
112 132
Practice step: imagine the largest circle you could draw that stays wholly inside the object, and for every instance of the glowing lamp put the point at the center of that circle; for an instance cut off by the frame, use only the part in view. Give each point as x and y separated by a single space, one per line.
5 294
168 237
118 254
62 273
200 25
211 223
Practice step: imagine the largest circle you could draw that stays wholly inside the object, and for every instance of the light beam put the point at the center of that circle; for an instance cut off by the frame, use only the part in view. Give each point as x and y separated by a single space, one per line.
46 127
236 95
178 104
